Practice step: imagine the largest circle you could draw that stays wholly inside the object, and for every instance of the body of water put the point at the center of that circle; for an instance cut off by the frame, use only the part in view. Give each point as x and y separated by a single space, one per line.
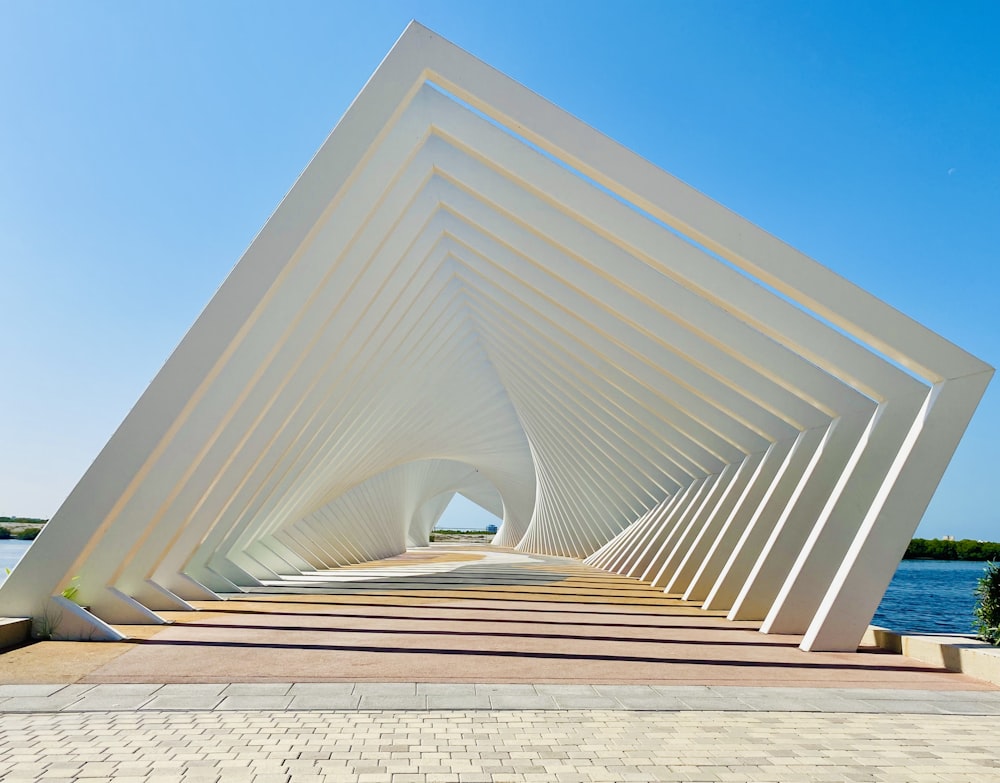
925 596
11 550
930 596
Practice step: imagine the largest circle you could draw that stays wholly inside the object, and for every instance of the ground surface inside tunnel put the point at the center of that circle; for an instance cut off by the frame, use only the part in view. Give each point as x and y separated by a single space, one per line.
463 614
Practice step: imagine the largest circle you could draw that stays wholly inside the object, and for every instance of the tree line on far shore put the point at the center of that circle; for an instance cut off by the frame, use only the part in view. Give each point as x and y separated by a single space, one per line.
941 549
24 528
27 529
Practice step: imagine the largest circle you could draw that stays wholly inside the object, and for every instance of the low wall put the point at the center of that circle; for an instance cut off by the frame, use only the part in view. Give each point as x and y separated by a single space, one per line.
14 631
956 653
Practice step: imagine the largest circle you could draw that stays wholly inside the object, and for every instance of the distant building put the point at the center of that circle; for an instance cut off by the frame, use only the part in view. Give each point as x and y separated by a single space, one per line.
491 528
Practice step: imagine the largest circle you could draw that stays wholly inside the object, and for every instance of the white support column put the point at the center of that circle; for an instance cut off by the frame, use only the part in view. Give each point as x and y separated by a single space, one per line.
779 494
157 598
818 561
722 548
645 566
698 550
645 549
611 554
860 582
697 503
824 482
697 523
185 587
211 580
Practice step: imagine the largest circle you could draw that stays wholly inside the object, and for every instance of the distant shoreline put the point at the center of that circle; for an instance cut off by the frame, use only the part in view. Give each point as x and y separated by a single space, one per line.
22 528
950 549
965 549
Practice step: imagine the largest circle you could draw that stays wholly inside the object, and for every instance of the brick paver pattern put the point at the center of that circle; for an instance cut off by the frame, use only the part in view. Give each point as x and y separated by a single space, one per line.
631 686
504 745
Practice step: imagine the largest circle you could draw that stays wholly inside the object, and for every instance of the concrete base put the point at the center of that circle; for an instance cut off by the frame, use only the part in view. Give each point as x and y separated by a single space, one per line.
956 653
14 631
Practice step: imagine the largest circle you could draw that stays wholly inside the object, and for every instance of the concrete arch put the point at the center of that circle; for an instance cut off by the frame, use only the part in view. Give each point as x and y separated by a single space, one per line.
467 274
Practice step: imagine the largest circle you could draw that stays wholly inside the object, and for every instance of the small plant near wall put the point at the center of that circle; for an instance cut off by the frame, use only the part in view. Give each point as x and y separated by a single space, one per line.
987 611
71 590
45 623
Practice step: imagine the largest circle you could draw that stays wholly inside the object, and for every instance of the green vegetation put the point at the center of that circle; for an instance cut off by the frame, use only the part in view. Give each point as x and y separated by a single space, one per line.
939 549
23 528
453 535
4 521
27 533
24 534
987 611
72 589
461 532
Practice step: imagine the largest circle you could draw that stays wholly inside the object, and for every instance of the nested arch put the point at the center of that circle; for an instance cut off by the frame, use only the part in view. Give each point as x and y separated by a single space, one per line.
467 275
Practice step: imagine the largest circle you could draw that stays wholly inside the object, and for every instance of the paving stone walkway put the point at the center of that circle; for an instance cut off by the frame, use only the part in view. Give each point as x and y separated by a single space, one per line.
396 696
434 733
469 746
367 675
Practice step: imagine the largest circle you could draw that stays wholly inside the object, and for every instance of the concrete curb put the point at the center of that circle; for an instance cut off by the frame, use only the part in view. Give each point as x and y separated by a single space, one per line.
445 697
14 631
963 654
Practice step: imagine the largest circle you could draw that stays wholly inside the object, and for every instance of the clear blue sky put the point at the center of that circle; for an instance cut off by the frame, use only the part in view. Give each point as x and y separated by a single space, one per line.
142 145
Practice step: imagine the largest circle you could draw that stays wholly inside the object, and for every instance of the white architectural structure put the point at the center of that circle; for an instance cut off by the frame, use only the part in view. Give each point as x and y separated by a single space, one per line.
470 290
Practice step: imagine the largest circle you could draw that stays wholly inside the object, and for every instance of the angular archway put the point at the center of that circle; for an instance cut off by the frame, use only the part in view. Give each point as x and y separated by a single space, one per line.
465 272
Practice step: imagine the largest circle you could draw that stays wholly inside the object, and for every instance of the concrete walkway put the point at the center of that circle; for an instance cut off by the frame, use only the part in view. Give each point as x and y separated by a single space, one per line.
368 696
473 665
478 615
480 746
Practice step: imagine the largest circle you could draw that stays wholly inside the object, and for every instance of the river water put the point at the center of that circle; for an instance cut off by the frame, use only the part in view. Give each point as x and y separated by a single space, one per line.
930 596
925 596
11 550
